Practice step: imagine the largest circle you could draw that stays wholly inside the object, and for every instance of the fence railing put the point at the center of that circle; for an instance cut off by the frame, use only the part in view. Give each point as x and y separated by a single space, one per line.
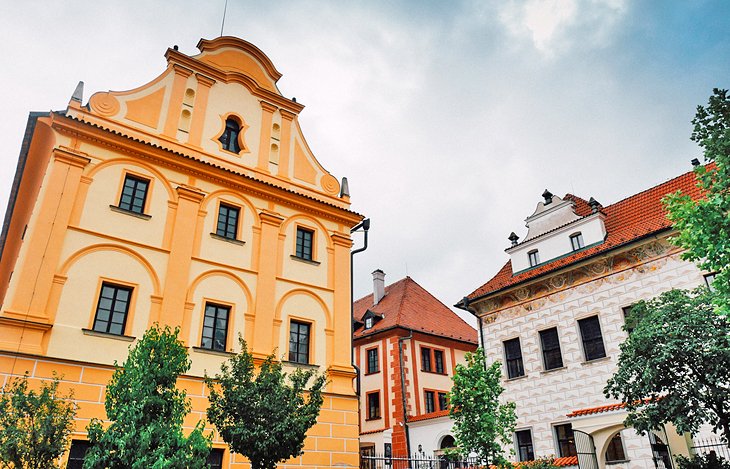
704 446
415 461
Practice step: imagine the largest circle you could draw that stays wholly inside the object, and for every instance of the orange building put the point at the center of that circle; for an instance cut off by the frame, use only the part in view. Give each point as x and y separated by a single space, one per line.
192 201
407 344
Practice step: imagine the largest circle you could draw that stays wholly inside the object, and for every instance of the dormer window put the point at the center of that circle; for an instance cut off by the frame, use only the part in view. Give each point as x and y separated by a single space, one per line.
576 241
368 323
229 138
534 257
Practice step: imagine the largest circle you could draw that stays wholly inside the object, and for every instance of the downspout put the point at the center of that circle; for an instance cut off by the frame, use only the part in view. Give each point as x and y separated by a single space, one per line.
365 225
403 390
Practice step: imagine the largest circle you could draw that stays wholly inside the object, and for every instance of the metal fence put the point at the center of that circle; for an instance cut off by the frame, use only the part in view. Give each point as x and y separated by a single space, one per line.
704 446
416 461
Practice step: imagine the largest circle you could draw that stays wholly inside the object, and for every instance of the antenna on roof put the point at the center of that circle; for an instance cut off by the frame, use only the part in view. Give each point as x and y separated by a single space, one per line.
225 7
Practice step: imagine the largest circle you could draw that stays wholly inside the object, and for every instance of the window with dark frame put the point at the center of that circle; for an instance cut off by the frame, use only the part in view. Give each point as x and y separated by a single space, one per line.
443 401
229 138
576 241
77 453
566 440
368 322
438 361
215 327
304 243
112 309
709 278
215 458
227 225
299 342
629 320
534 257
373 361
425 359
590 332
615 451
513 358
374 405
525 451
134 194
429 400
550 343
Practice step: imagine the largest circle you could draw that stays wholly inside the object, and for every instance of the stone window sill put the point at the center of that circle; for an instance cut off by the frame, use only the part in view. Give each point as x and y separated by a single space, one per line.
142 216
596 360
125 338
220 353
553 370
516 378
622 461
301 365
306 261
228 240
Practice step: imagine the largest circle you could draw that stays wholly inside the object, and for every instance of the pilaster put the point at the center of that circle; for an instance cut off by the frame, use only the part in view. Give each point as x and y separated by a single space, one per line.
265 302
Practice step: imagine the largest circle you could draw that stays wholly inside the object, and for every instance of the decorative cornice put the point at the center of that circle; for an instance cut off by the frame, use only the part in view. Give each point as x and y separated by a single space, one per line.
339 239
71 157
190 193
268 106
203 80
270 218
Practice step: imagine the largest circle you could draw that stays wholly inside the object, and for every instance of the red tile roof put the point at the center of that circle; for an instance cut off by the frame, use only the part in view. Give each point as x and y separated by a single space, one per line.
626 221
431 415
558 462
408 305
597 410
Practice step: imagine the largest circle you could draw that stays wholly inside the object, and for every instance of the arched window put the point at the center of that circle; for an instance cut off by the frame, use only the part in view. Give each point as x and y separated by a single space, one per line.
615 451
447 442
229 138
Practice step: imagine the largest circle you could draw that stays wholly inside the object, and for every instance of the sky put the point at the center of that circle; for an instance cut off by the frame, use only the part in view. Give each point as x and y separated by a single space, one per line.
449 119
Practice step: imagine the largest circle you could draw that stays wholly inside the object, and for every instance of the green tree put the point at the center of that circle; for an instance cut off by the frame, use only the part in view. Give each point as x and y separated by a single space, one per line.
147 411
34 425
704 225
481 423
675 364
261 415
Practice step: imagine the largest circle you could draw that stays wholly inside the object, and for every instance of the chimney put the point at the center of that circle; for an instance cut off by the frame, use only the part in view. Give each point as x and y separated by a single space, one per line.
378 286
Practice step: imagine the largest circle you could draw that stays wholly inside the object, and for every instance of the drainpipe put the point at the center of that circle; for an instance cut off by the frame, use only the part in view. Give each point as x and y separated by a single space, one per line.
403 390
464 305
365 225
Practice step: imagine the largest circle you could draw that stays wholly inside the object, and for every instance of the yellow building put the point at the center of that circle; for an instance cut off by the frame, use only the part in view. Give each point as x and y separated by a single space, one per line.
192 201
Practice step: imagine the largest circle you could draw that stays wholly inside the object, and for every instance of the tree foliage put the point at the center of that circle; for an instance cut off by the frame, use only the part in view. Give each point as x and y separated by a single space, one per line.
264 416
34 425
481 422
675 364
704 225
703 461
147 411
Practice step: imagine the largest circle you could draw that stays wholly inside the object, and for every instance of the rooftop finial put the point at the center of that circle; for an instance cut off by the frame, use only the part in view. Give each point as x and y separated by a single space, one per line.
513 238
593 204
695 162
548 196
344 188
78 95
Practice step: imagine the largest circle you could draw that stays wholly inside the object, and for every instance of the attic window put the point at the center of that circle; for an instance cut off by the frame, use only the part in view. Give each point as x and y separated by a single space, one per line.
576 241
368 323
229 138
534 257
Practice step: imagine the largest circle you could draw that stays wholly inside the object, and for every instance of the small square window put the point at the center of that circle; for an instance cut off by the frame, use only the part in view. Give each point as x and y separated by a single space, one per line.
368 322
709 279
304 243
524 445
566 440
576 241
112 309
534 257
443 401
77 453
590 332
215 327
215 458
425 359
373 361
513 357
429 399
438 361
552 358
373 405
299 342
629 321
227 225
134 194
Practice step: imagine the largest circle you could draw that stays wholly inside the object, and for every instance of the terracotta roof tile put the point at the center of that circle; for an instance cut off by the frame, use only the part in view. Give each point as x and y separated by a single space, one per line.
597 410
566 461
408 305
627 220
430 415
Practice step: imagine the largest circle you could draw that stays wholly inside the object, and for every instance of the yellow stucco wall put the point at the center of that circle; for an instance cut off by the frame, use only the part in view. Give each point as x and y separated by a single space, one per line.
166 132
